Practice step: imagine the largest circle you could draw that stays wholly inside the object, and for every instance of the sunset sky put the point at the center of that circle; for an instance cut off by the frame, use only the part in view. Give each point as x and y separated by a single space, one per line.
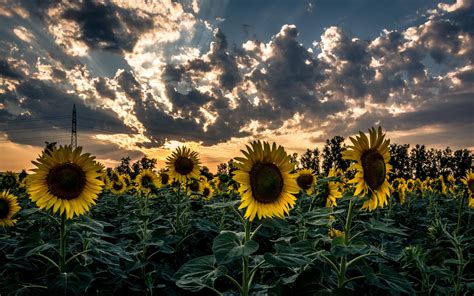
148 77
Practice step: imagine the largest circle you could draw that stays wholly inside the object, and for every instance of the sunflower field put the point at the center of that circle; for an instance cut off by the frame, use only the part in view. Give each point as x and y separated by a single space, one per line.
264 227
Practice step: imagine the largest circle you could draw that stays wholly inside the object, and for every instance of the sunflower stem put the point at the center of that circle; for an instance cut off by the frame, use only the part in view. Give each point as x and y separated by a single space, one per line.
343 264
245 262
62 244
461 202
178 206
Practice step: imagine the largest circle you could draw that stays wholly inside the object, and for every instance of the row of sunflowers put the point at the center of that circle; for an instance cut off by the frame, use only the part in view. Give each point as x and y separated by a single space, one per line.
68 183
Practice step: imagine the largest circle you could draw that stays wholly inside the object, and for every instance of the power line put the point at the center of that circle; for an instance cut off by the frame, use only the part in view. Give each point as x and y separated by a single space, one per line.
74 128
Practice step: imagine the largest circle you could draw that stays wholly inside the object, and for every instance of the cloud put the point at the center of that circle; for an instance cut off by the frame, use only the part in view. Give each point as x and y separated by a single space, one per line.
157 74
7 71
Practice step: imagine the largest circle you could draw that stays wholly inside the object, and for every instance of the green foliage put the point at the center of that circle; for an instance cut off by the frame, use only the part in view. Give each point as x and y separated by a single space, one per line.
121 247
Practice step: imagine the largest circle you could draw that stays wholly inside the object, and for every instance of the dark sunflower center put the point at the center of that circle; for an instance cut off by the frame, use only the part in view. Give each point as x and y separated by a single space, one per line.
374 168
305 181
118 185
266 182
146 182
164 178
8 181
183 165
410 185
66 181
194 186
206 192
395 184
4 208
470 185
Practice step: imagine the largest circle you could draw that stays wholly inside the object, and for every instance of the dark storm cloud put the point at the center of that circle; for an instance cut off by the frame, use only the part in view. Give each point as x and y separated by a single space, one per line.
106 26
346 61
104 90
218 57
7 71
291 72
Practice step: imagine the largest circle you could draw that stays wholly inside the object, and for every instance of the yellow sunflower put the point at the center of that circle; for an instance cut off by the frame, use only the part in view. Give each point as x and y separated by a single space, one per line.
9 180
8 207
183 164
333 233
410 185
193 185
418 185
127 180
266 185
306 179
146 181
118 186
216 184
164 179
206 190
451 184
468 180
65 181
400 186
114 176
426 185
328 191
372 167
438 185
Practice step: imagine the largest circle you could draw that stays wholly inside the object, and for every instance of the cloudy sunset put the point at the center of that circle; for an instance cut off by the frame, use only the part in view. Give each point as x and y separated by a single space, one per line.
214 75
307 113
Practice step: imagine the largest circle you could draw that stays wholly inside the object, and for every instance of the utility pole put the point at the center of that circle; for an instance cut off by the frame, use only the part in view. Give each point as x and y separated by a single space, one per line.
74 128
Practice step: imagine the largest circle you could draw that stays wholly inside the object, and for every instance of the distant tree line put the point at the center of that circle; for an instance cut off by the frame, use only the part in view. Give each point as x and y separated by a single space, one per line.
417 162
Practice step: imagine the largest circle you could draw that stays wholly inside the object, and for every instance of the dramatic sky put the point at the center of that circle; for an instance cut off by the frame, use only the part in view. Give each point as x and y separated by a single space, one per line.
149 76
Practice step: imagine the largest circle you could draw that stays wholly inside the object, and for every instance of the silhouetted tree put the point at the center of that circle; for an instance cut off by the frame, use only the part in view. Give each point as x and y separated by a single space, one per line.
294 160
400 161
461 162
205 172
310 160
144 163
418 160
332 154
432 164
226 168
124 166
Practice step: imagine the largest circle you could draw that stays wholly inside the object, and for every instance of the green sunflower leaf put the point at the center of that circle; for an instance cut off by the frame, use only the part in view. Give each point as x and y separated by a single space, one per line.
228 246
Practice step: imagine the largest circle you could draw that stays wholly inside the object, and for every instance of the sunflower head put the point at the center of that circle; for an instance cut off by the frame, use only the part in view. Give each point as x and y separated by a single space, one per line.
183 164
468 180
266 185
8 208
306 179
327 193
206 190
395 184
410 185
118 186
9 180
165 178
114 176
65 181
146 181
194 185
372 167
